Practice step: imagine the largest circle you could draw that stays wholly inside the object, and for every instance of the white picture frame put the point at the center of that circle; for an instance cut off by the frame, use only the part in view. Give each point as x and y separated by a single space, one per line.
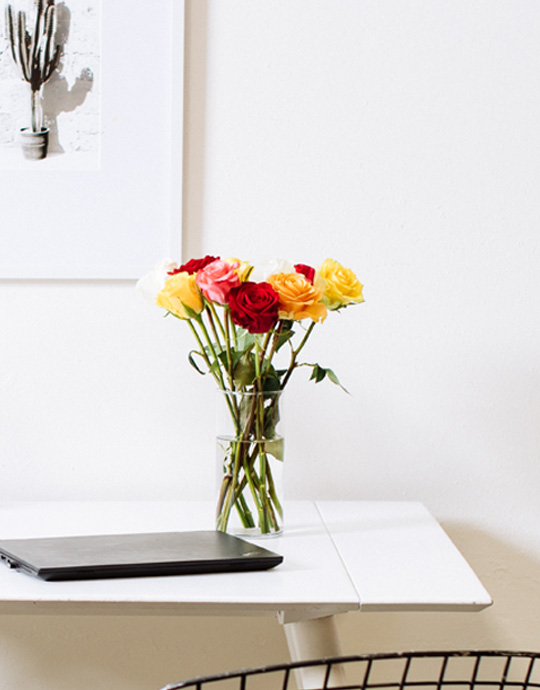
114 214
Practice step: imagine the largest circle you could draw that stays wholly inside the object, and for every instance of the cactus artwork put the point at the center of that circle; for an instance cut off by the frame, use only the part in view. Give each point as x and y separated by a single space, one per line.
35 54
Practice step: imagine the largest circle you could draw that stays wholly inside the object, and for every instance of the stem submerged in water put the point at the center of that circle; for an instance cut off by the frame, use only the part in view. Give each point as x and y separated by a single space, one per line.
248 483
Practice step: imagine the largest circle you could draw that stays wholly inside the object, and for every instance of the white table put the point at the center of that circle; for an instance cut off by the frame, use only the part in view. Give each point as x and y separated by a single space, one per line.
338 556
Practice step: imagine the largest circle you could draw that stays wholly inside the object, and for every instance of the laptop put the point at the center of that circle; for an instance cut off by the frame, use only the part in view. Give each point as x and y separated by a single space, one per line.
134 555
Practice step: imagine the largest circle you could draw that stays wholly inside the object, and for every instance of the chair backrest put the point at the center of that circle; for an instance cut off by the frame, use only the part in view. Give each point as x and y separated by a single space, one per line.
451 670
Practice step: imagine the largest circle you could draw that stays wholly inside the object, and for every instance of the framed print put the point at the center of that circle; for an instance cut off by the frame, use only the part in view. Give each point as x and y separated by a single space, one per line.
91 128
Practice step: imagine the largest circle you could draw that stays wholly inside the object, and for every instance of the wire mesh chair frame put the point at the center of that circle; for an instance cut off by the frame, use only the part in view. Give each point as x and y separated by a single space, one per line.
483 670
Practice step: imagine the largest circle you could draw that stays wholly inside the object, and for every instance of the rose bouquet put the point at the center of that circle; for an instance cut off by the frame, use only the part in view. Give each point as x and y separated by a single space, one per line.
250 326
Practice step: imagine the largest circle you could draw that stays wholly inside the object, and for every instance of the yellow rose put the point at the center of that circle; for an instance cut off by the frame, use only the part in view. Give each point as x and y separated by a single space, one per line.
180 294
298 298
341 287
243 271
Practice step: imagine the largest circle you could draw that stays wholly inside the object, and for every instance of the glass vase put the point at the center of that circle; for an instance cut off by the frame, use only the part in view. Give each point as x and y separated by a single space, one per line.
250 463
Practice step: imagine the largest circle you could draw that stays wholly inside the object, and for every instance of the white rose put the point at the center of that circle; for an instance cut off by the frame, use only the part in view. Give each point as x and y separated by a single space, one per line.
154 281
270 268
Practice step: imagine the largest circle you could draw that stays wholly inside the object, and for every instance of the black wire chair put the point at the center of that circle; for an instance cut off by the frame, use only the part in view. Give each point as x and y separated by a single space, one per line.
455 670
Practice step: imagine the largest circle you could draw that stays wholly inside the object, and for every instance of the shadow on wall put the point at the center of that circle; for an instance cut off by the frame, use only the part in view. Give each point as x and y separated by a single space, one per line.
512 578
57 96
130 652
195 107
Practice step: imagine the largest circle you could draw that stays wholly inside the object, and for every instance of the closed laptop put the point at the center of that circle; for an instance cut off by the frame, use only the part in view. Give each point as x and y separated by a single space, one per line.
134 555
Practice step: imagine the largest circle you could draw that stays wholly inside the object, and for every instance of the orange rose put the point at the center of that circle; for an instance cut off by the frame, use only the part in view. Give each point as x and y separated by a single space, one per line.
298 298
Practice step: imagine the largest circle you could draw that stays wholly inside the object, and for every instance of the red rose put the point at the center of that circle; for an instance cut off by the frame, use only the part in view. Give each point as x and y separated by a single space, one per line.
306 271
254 306
194 265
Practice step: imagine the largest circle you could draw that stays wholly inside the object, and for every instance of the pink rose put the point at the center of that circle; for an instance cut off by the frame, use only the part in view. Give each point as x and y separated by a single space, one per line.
217 279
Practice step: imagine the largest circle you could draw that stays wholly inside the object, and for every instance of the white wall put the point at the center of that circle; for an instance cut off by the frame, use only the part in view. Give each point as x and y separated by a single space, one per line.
402 138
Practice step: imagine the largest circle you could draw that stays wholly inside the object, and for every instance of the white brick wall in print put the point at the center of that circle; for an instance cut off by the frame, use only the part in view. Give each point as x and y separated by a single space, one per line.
71 98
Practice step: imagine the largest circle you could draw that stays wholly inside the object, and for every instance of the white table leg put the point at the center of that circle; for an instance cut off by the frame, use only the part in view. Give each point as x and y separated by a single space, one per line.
315 638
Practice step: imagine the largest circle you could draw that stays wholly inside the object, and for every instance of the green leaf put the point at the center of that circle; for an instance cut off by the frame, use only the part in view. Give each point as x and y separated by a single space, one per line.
245 340
220 359
285 334
271 419
319 373
244 411
236 356
335 380
194 363
244 371
189 312
271 384
218 363
275 448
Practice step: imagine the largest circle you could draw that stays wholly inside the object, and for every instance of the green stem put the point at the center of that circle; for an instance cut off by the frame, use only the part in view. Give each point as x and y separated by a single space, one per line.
216 317
210 313
275 341
273 494
213 318
212 350
227 335
227 497
216 370
266 508
229 324
295 354
202 351
245 512
249 467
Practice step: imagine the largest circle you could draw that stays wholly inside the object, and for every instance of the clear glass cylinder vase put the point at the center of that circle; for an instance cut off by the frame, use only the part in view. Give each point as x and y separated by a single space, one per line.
250 448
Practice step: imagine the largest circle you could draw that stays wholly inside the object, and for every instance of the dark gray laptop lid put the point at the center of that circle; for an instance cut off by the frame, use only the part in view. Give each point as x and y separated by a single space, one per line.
134 555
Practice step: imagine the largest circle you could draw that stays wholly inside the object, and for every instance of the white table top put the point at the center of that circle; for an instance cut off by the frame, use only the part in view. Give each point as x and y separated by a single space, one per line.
338 556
